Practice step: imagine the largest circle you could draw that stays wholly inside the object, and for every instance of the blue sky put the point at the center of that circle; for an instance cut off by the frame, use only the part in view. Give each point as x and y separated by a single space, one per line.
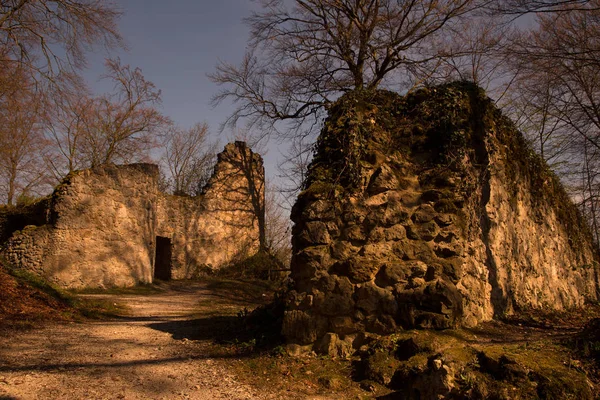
176 43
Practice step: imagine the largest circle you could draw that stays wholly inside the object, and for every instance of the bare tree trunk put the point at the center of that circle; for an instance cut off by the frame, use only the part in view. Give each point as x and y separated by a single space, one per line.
11 185
592 195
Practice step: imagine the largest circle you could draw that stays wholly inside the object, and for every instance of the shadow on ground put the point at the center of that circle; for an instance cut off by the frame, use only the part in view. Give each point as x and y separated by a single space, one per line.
256 330
220 329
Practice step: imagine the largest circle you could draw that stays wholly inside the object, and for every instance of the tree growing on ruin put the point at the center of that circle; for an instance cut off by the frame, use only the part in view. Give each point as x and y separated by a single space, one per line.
303 54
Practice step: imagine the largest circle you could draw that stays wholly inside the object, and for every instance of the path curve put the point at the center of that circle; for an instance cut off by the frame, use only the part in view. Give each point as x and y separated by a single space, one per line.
129 358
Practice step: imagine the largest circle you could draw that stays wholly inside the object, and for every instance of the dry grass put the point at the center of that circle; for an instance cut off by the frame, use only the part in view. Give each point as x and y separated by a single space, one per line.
26 301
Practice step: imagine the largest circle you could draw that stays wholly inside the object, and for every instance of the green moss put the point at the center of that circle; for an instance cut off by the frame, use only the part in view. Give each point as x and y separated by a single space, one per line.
321 190
351 131
442 128
546 366
364 123
536 369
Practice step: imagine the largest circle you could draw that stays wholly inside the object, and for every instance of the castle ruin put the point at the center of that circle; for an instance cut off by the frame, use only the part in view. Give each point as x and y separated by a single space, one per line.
111 226
429 211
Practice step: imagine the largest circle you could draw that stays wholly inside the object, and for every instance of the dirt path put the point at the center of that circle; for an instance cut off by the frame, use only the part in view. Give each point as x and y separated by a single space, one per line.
146 355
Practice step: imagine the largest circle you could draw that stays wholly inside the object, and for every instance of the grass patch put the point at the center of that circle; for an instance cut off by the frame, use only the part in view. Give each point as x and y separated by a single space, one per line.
94 309
308 375
75 307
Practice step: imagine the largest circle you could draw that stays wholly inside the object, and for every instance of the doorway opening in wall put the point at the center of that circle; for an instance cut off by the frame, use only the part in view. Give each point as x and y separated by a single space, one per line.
162 261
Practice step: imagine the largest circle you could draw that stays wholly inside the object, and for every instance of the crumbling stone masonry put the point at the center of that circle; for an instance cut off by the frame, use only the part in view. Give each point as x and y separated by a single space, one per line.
429 211
110 226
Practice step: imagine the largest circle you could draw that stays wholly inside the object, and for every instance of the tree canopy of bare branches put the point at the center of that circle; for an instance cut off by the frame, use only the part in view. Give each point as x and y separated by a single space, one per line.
66 127
304 55
557 90
558 68
48 37
120 126
22 143
190 159
520 7
125 123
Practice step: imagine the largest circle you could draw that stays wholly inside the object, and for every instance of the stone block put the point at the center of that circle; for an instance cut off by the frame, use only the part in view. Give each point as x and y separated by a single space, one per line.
357 269
313 233
422 231
342 250
423 213
301 328
382 251
323 210
383 179
394 216
343 325
445 219
391 274
331 344
335 305
355 233
372 299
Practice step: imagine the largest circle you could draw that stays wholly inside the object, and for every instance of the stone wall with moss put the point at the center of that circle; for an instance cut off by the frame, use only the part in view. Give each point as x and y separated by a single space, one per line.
429 211
100 226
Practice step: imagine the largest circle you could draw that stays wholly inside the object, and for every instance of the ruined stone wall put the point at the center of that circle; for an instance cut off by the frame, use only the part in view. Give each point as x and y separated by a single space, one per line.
429 211
100 232
222 225
102 224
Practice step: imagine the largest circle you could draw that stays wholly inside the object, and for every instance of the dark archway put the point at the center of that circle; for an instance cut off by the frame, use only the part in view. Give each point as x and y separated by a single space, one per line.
162 263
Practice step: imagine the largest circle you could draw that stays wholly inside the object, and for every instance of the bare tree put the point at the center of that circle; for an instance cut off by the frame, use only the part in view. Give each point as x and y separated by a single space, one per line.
189 158
293 169
66 127
534 110
47 41
22 144
478 54
278 232
121 126
559 71
521 7
48 37
557 92
302 57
